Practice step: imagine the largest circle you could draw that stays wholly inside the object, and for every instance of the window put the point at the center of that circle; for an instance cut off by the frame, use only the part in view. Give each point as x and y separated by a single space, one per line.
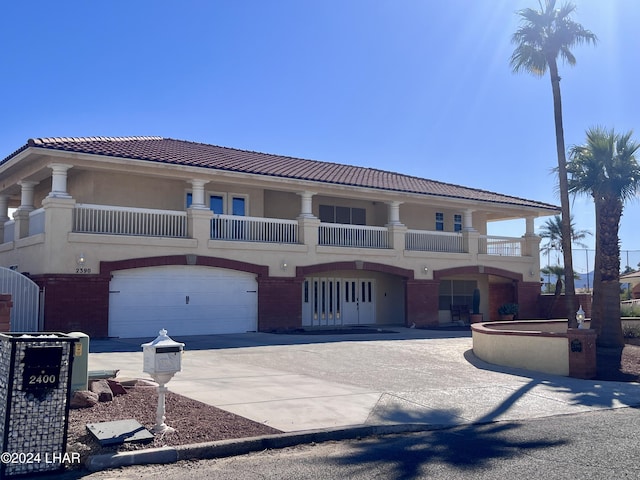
457 223
456 292
219 204
238 206
344 215
439 221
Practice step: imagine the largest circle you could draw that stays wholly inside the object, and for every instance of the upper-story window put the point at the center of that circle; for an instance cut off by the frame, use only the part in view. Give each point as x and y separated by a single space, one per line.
224 203
439 221
345 215
457 223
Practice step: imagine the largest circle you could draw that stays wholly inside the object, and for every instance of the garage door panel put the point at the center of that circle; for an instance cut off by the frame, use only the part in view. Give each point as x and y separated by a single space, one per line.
185 300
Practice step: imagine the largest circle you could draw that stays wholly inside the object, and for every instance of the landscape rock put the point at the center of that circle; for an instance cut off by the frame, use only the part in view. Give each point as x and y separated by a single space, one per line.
102 388
83 399
116 387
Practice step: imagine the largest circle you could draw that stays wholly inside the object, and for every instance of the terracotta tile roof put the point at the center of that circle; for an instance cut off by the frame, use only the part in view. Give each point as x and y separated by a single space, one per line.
180 152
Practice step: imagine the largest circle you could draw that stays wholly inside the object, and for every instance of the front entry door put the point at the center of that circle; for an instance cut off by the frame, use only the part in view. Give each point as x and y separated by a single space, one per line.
338 301
359 305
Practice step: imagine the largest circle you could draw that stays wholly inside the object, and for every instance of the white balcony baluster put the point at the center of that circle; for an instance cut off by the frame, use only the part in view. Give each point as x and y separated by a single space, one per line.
432 241
254 229
339 235
129 221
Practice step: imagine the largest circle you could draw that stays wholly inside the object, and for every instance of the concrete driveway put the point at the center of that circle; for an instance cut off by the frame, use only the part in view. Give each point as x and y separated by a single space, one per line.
303 382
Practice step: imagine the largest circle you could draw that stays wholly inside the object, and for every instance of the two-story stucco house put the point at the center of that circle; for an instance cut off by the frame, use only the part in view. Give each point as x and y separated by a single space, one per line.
130 235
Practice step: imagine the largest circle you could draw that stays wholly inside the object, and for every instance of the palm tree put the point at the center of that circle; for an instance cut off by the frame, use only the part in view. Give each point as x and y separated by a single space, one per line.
551 230
606 168
545 35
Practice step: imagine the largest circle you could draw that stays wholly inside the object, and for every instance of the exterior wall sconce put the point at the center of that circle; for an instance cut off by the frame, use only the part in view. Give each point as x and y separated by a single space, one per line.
425 269
580 317
81 260
283 266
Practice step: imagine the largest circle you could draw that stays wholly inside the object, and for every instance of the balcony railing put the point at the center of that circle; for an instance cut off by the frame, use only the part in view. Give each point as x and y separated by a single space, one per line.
9 231
254 229
339 235
36 221
502 246
129 221
427 241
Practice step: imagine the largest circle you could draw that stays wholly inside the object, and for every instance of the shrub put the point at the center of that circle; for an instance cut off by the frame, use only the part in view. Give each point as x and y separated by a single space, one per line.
629 311
631 331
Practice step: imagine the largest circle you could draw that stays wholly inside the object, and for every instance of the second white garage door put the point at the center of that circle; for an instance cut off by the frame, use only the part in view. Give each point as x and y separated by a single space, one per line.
184 300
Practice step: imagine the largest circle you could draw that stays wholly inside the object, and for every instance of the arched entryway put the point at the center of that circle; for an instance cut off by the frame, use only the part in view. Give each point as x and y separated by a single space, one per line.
352 293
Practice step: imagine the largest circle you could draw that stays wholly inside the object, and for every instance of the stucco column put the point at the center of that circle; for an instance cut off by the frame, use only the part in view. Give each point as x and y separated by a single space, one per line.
4 209
26 195
4 214
59 180
467 221
197 194
306 207
394 213
530 229
21 215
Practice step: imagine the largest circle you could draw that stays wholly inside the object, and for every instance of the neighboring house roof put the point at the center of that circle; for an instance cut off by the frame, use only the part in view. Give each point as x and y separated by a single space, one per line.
180 152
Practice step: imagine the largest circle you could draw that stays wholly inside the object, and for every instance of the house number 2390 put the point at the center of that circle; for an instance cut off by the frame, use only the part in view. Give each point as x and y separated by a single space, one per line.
83 270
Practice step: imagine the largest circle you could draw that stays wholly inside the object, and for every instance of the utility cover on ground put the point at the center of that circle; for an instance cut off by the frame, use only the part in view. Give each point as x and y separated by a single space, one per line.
119 431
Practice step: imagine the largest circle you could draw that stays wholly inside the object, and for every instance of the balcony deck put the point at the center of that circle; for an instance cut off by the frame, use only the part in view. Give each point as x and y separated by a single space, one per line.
143 222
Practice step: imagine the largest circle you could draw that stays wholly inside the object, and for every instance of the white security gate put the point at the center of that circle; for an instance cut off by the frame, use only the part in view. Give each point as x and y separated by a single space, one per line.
185 300
338 301
25 295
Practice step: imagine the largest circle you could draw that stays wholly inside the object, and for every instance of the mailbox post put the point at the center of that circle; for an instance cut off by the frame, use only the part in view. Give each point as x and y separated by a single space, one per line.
162 360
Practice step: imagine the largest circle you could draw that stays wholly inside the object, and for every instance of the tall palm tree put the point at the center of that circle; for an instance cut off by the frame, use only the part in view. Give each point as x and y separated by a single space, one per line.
545 35
605 167
551 230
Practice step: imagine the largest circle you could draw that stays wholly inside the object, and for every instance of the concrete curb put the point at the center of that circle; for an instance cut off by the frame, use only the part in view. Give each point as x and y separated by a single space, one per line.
241 446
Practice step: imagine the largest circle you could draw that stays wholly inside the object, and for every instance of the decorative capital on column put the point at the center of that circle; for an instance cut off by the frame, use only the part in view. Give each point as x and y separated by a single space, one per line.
59 180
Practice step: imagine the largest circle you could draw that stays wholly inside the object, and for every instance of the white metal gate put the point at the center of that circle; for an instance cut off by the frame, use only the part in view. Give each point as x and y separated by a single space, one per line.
25 295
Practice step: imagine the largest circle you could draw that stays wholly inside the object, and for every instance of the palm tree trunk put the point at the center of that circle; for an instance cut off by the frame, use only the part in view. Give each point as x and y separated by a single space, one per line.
610 334
569 287
605 314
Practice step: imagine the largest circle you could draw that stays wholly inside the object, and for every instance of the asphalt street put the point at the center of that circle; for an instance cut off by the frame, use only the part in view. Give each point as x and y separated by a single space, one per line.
592 445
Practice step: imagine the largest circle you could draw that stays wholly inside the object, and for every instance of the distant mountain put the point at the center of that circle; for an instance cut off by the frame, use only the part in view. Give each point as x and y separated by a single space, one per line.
585 280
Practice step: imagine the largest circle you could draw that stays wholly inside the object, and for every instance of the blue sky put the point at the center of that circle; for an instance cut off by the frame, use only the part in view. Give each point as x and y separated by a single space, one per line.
421 87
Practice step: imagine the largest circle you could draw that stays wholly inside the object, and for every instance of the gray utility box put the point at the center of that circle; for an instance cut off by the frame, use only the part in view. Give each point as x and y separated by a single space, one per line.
35 374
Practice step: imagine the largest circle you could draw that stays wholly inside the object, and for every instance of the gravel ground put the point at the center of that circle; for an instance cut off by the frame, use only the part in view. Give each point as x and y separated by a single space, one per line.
193 421
196 422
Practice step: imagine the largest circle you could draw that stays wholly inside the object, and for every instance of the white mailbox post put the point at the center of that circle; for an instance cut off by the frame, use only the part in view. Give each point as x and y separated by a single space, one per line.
162 359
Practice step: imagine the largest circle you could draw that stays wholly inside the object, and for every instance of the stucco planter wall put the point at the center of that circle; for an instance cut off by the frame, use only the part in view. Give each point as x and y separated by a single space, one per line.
541 346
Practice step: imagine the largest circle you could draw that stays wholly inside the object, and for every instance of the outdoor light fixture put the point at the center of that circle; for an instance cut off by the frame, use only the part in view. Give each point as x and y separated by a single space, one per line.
81 260
580 317
283 266
426 269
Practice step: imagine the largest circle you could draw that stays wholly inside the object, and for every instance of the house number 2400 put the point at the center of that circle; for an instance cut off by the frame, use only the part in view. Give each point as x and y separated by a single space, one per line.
83 270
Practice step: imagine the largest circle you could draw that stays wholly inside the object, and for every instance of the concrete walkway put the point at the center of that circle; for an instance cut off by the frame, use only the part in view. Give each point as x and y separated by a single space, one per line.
301 382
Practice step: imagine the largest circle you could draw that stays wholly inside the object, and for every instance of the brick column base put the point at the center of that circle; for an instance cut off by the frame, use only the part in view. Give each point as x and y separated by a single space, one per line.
279 303
582 353
422 303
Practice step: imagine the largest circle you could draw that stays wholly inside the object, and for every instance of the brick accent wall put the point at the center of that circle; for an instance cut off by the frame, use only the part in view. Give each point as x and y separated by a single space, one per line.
279 303
527 295
422 302
548 309
5 312
500 293
75 303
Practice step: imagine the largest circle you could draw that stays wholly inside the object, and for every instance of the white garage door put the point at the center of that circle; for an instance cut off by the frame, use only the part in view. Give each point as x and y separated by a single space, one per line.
185 300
